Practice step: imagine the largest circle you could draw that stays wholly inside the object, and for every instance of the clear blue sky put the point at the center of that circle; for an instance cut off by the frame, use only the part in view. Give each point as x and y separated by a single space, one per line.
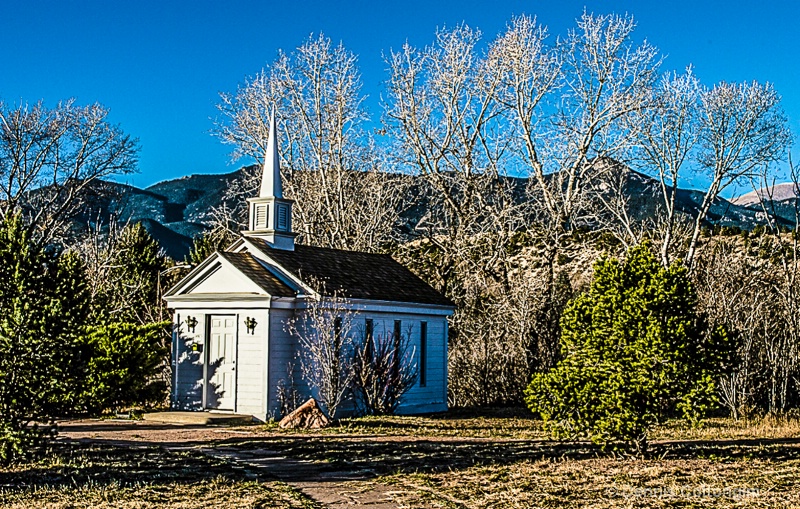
159 66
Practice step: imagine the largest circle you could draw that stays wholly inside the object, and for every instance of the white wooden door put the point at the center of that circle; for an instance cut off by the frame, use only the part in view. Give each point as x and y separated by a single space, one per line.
221 371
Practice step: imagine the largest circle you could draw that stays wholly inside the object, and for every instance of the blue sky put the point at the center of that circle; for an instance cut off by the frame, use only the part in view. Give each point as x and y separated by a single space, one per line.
159 66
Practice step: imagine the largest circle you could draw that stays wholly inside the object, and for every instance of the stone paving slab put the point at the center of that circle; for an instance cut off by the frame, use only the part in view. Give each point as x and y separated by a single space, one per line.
335 489
198 418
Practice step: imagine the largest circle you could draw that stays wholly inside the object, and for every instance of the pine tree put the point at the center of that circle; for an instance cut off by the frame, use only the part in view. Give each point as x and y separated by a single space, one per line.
130 292
43 304
634 352
205 245
124 366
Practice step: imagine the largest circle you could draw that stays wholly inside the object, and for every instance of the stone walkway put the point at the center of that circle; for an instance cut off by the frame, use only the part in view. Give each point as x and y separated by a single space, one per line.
331 487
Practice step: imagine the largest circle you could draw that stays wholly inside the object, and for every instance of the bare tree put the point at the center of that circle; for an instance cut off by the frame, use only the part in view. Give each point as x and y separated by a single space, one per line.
621 203
326 333
126 272
732 292
50 158
331 166
443 115
384 370
469 122
754 290
782 347
343 360
742 130
570 104
669 131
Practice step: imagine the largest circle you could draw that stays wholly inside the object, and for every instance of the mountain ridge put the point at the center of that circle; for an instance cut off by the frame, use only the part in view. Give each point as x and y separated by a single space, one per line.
174 211
776 193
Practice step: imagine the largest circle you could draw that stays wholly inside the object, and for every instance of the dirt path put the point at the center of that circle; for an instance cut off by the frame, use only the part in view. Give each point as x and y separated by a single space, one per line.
330 486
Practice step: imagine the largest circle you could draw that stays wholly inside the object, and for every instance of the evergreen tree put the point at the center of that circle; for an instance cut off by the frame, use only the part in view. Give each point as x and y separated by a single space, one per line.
634 352
205 245
124 366
130 291
43 304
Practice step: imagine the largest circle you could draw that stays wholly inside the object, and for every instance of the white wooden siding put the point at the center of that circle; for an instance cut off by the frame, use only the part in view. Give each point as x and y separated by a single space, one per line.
250 365
226 280
265 358
251 352
428 399
433 396
284 369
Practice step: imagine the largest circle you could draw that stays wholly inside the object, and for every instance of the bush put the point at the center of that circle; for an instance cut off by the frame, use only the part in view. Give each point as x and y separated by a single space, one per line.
125 362
634 352
128 291
43 302
384 370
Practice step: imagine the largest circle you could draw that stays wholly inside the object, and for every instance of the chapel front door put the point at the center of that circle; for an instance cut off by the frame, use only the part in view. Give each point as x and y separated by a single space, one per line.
221 368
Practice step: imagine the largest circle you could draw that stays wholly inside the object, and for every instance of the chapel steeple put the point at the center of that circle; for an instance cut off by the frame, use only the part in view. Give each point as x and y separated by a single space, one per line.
271 214
271 172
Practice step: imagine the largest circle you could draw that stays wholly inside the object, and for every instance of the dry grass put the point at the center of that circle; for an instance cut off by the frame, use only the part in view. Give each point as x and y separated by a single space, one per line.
728 429
505 461
81 476
515 423
608 483
519 423
494 459
499 423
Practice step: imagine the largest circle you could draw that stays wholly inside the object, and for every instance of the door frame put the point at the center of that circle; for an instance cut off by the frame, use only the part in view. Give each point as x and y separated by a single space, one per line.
207 354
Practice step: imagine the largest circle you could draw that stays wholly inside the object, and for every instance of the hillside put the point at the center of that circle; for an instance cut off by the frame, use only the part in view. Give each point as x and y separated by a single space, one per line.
776 193
175 211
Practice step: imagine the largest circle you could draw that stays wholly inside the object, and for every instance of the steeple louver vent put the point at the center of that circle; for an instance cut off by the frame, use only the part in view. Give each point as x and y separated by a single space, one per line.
261 217
283 222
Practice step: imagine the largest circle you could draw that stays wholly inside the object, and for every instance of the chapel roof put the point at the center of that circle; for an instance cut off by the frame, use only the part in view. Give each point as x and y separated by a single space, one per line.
353 274
257 273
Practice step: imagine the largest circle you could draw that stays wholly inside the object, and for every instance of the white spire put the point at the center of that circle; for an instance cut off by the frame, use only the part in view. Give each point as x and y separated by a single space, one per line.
270 213
271 177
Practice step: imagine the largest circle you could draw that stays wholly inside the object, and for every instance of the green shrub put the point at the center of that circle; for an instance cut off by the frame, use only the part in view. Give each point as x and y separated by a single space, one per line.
729 231
634 352
125 364
43 302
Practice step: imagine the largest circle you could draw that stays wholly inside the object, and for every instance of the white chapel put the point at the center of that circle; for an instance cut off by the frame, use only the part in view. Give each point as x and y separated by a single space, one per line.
232 350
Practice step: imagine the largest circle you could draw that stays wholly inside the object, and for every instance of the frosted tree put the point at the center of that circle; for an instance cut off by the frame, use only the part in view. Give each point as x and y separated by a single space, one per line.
331 165
51 159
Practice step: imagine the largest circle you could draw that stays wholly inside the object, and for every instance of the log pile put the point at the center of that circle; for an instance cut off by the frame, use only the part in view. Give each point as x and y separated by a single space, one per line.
306 416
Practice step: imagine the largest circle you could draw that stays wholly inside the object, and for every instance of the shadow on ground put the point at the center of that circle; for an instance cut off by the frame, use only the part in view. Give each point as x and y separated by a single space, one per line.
101 426
297 458
76 464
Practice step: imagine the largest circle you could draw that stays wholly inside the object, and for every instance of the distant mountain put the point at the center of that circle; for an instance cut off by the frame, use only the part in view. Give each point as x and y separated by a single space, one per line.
777 193
644 198
175 211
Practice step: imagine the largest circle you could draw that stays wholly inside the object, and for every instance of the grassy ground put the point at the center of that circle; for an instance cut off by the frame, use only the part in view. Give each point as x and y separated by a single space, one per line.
505 460
466 460
75 476
519 423
608 483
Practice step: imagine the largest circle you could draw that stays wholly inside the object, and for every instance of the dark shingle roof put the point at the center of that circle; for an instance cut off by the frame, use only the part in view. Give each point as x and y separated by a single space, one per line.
356 275
251 268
